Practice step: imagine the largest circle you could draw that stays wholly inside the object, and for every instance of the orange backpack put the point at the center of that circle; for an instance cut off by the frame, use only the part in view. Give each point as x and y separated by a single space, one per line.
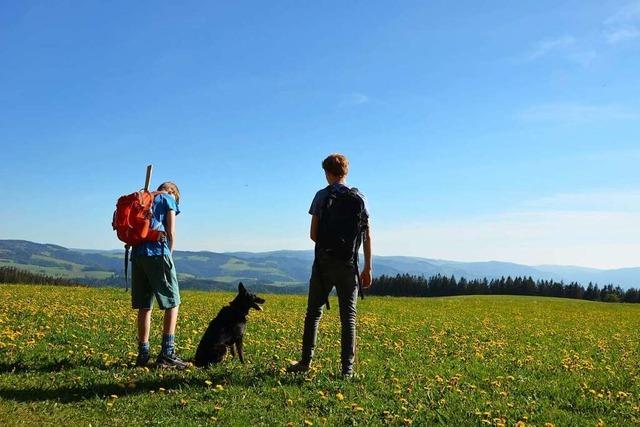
132 222
132 218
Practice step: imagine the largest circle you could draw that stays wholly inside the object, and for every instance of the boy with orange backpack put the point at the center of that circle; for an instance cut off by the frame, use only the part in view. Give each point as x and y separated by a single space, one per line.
146 222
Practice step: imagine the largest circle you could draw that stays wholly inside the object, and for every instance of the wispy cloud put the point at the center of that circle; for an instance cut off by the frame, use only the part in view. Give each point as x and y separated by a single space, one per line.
622 34
566 47
624 24
564 229
547 46
628 12
577 113
618 200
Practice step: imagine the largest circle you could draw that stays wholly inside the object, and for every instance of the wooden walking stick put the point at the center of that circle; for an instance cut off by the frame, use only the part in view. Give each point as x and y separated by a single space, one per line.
127 247
147 182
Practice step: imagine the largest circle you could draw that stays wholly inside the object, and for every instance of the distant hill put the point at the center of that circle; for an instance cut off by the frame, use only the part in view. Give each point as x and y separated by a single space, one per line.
276 271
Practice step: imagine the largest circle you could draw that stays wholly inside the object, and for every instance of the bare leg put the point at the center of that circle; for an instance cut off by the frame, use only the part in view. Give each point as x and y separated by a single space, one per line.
170 319
144 324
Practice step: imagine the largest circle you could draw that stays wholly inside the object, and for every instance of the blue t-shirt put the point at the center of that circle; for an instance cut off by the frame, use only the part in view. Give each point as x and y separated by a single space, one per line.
321 196
162 204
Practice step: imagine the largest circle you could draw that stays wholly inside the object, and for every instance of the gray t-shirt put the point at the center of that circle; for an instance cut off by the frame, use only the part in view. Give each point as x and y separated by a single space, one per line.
321 196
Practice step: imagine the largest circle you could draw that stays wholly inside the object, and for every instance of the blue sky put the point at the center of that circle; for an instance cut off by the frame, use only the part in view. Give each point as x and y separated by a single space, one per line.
477 131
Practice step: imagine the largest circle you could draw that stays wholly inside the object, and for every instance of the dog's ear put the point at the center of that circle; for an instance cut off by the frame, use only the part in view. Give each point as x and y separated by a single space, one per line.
241 288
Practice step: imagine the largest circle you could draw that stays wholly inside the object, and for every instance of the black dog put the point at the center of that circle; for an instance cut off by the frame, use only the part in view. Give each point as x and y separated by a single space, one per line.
227 329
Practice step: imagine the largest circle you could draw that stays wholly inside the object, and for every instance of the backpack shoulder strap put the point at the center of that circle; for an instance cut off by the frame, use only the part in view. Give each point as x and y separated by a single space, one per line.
331 194
358 195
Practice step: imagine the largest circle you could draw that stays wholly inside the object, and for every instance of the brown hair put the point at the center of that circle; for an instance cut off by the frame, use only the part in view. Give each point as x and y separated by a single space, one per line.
336 164
171 188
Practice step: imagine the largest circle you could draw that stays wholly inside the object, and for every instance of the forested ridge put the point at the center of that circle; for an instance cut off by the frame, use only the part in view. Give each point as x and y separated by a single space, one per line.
438 286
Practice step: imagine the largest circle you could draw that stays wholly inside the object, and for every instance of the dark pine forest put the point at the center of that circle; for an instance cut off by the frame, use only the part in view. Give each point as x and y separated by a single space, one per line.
407 285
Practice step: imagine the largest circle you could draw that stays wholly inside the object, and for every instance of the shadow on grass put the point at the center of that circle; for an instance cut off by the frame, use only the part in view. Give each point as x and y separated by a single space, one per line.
50 366
171 380
68 394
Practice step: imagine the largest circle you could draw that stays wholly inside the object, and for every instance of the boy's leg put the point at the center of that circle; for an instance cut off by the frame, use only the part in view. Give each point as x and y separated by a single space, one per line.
169 330
318 294
144 324
170 320
347 289
142 300
164 280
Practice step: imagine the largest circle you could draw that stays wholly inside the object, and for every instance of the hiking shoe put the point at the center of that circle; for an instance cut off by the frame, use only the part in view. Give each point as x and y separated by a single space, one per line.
348 375
142 359
171 361
298 367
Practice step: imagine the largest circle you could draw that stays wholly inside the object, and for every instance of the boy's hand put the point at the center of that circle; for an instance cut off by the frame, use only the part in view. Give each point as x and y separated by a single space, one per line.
365 278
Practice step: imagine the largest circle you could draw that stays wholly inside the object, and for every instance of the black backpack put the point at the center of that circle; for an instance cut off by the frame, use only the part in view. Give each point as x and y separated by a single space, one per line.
342 224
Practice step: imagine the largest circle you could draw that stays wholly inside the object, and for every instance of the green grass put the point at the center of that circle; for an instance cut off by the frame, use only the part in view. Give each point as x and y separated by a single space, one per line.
227 279
58 271
240 265
66 356
67 265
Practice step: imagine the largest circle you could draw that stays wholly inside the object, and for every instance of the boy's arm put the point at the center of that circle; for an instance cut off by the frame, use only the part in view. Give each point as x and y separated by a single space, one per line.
171 228
313 232
365 276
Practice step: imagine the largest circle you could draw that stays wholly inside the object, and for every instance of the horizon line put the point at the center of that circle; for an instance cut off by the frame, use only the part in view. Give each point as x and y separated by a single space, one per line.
375 255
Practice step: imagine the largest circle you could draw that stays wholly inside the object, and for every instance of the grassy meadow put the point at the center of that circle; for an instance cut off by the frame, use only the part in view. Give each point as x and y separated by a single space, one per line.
66 357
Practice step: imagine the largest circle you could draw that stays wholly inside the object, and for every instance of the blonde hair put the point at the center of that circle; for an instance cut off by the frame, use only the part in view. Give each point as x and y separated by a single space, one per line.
336 164
171 188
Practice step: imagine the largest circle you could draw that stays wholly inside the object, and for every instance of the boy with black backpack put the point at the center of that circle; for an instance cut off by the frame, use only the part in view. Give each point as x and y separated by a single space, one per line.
339 226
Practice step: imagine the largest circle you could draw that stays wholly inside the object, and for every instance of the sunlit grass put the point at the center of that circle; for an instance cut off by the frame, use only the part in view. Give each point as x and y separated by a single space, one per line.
66 356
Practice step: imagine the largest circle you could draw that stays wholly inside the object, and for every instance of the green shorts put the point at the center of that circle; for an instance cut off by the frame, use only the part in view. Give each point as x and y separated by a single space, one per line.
154 275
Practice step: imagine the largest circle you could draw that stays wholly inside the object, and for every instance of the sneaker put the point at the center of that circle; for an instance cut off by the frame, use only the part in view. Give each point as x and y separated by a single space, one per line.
298 367
348 375
142 359
171 361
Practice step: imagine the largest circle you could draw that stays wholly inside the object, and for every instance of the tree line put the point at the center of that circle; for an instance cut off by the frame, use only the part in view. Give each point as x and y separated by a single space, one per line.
15 275
405 285
438 286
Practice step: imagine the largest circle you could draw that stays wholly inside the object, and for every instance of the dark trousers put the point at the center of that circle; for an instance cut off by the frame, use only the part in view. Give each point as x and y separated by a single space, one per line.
328 272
